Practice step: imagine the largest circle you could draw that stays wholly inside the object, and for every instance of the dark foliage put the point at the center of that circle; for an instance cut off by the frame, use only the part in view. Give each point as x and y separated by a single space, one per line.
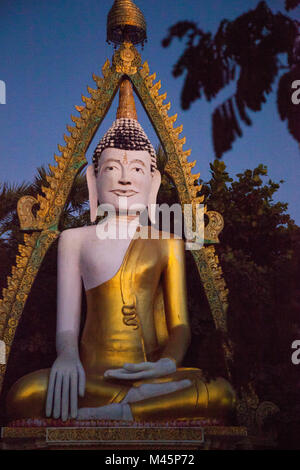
260 256
289 110
250 51
291 4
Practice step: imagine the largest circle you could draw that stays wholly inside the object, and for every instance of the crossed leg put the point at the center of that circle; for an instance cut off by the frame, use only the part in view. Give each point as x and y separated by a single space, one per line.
122 411
183 394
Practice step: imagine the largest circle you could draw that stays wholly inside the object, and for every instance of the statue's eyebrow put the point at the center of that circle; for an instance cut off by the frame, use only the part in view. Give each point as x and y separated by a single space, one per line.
119 161
111 160
138 161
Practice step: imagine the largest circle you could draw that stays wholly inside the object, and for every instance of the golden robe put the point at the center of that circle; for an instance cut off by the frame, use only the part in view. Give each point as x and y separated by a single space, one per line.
131 318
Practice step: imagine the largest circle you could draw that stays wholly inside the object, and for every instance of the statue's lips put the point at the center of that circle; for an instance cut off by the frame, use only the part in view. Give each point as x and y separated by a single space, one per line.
124 192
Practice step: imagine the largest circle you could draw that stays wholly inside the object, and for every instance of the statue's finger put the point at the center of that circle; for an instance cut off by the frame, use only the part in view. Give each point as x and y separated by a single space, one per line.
138 367
118 374
113 372
144 374
50 393
65 396
134 375
57 395
81 380
74 394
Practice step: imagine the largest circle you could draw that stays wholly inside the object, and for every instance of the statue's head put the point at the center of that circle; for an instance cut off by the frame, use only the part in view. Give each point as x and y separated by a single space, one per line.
124 172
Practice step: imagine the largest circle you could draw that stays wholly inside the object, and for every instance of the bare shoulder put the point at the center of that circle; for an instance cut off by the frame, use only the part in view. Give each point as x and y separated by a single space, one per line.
75 236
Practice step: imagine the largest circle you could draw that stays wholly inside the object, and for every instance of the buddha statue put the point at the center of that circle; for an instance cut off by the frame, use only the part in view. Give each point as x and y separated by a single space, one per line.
127 363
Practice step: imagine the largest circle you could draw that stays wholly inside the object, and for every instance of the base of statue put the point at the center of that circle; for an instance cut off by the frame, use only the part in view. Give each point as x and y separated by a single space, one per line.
177 435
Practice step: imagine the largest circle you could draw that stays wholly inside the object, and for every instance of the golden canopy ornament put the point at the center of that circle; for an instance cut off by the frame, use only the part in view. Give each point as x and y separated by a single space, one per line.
126 22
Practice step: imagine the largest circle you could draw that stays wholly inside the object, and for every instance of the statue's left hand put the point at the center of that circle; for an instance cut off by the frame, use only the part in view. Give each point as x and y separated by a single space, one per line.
143 370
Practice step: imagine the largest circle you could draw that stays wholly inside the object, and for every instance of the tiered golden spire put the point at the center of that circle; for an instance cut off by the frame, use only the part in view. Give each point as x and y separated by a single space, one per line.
126 107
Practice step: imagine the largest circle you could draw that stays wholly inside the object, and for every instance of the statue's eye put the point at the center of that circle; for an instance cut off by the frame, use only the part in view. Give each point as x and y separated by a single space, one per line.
109 168
138 170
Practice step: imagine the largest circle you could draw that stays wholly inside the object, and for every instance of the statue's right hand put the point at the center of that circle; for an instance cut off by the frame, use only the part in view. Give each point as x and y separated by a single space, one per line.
66 382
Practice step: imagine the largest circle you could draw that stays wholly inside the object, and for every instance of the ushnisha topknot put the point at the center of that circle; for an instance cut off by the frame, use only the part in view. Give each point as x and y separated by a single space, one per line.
125 134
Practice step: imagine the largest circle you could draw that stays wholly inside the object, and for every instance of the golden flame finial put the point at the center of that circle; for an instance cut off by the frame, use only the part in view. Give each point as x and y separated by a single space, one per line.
126 22
126 107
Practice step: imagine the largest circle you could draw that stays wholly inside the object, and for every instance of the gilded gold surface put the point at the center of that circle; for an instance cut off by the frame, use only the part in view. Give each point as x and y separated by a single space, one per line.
126 59
26 217
143 437
127 434
214 227
124 13
126 107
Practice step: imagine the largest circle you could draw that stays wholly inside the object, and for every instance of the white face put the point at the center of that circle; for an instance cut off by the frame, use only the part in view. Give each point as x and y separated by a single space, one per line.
124 179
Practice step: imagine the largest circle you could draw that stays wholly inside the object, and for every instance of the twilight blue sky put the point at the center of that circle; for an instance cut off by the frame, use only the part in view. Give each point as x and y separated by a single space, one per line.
49 50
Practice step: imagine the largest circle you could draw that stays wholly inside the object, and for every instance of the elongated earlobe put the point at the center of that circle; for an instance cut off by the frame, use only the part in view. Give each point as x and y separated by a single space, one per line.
156 181
93 195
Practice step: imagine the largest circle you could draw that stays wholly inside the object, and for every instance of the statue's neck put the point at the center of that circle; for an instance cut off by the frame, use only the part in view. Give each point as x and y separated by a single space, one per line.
120 226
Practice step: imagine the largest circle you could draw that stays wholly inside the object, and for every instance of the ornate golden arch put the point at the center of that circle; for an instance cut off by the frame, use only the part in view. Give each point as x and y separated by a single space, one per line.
42 229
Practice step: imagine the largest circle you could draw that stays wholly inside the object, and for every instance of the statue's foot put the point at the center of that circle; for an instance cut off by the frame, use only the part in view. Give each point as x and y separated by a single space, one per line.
115 411
122 411
154 390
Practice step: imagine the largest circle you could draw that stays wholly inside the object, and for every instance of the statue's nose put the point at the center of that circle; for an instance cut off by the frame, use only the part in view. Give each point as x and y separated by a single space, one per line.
124 181
124 178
